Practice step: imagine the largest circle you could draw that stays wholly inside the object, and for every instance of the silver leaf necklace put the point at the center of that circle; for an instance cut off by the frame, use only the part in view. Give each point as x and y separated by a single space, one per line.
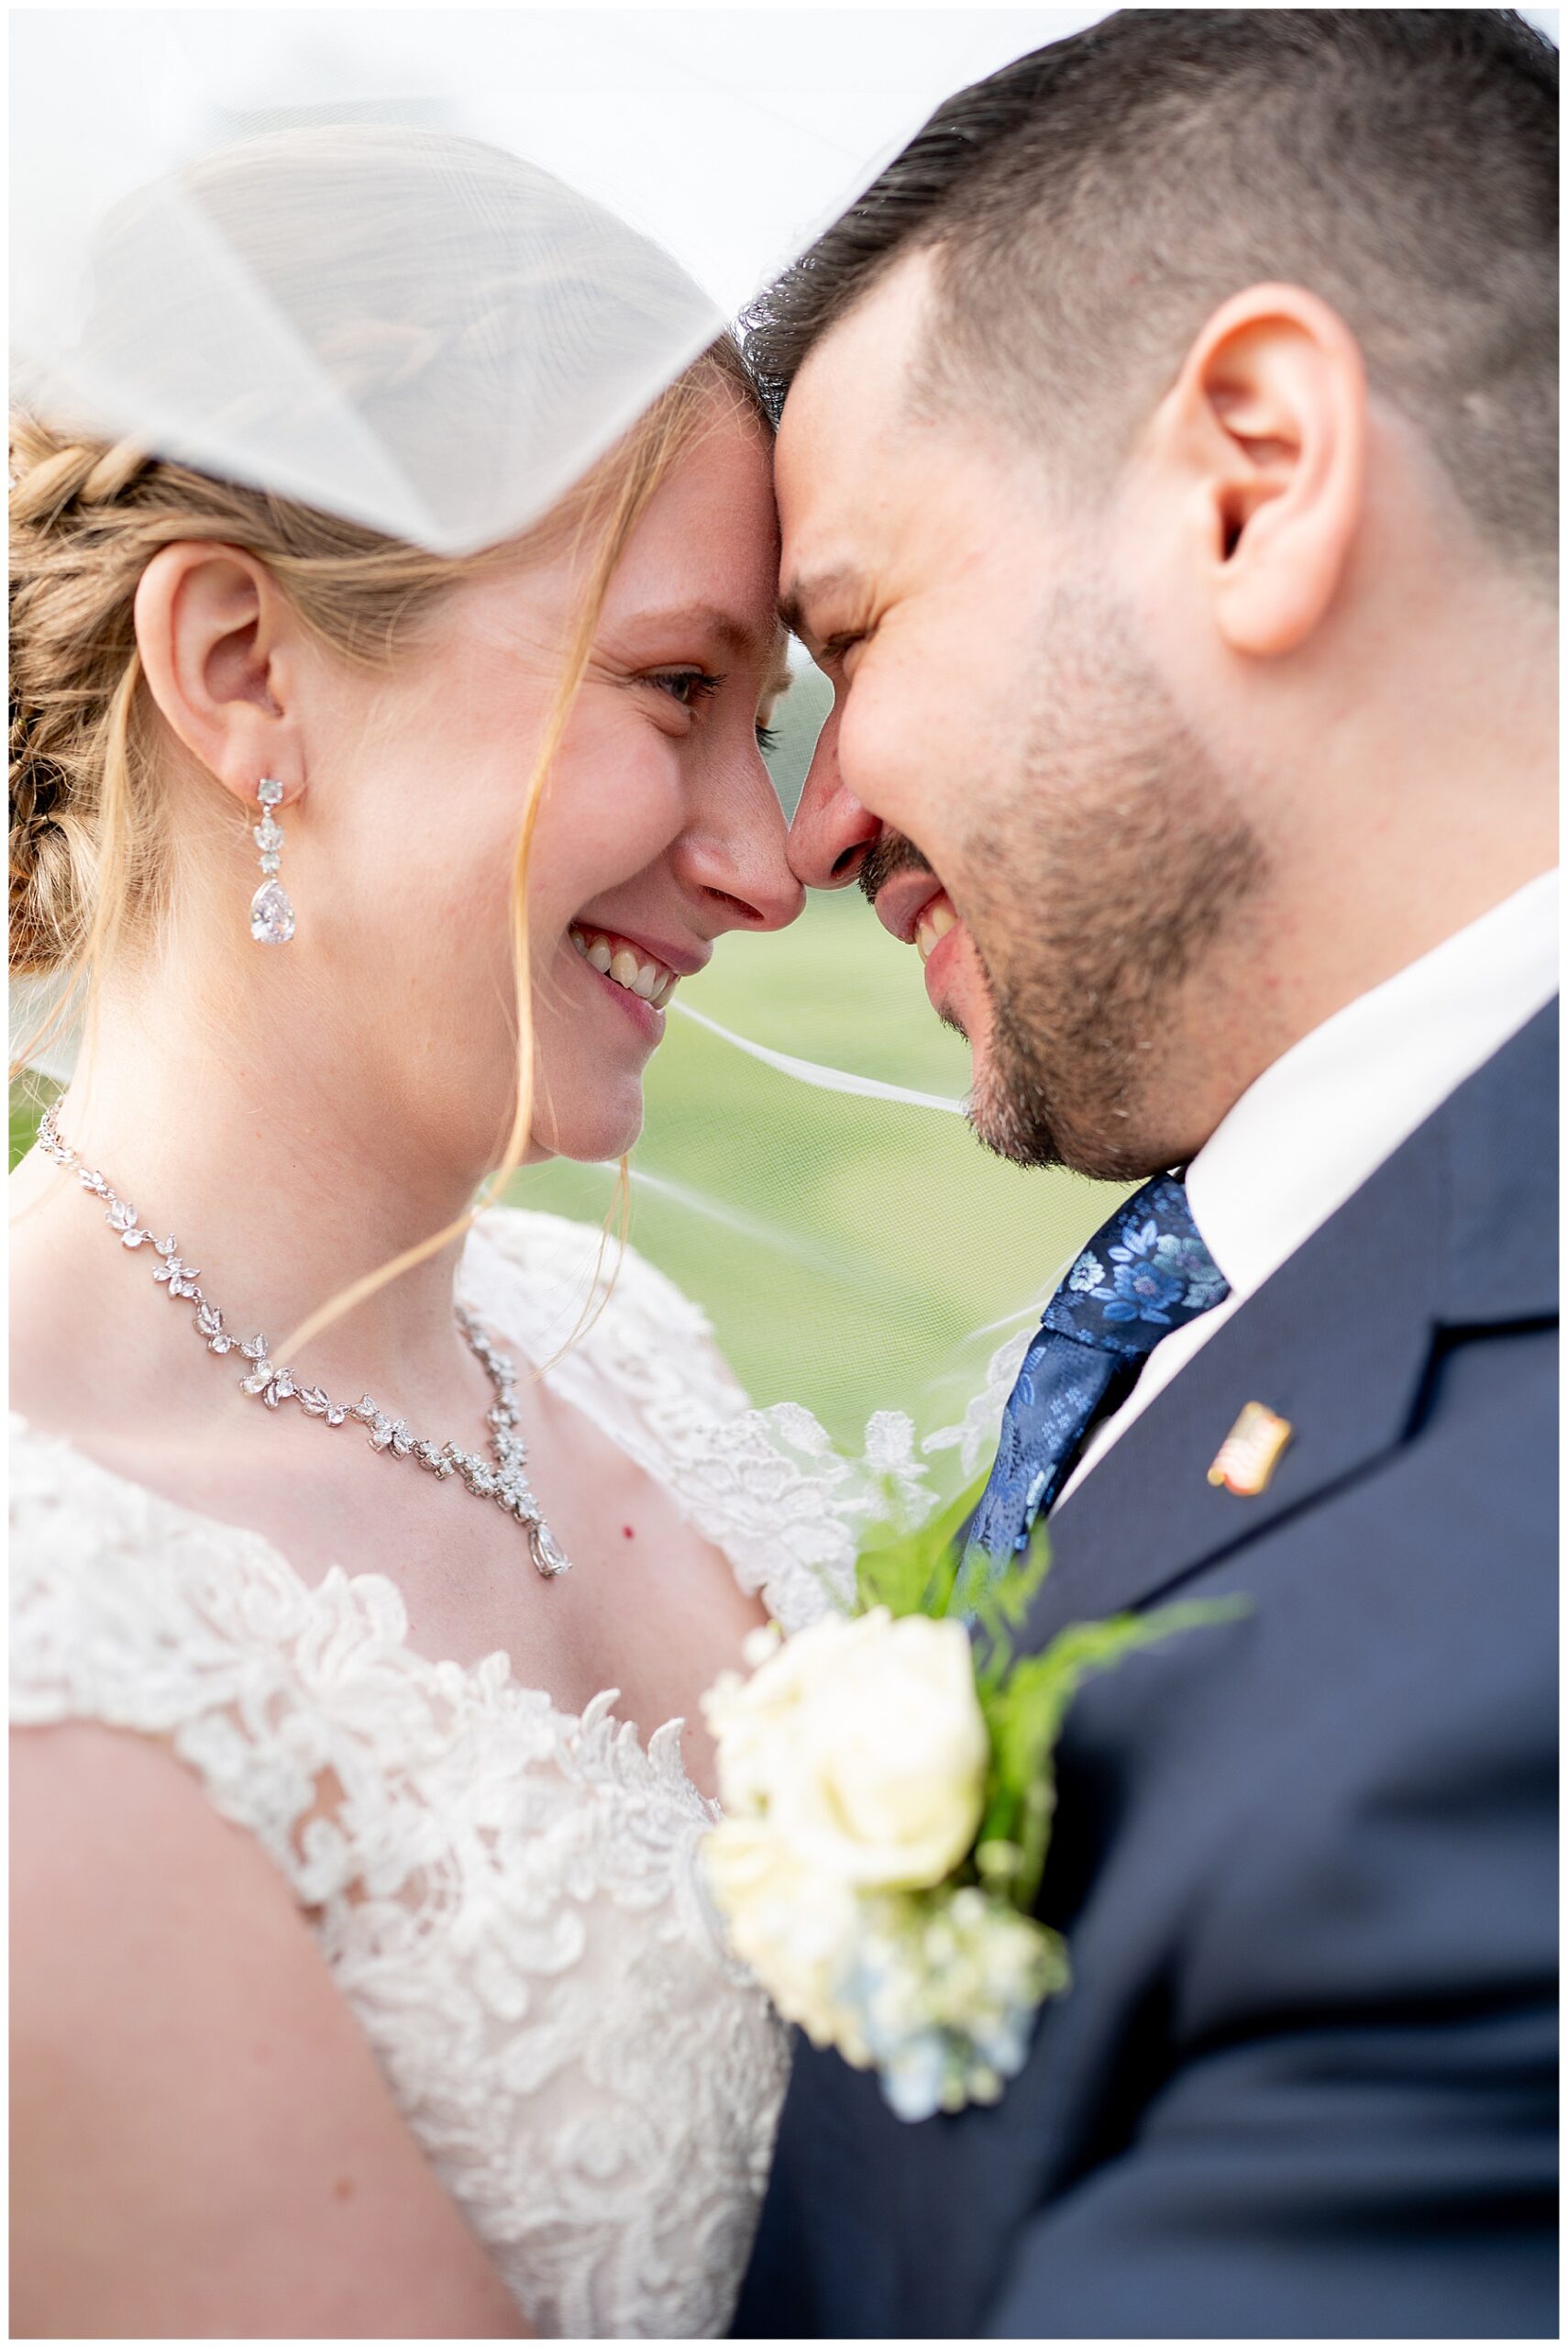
506 1482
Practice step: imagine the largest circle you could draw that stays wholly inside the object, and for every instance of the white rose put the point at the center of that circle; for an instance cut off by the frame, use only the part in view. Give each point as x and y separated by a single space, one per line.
862 1744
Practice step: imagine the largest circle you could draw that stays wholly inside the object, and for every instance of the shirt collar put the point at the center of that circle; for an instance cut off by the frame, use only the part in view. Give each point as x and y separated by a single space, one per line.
1317 1123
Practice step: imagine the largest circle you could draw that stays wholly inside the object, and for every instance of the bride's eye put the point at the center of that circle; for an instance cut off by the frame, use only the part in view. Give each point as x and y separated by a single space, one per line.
687 688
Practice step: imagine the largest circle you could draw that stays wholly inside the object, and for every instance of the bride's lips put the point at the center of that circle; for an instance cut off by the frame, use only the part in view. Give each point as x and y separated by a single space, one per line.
638 972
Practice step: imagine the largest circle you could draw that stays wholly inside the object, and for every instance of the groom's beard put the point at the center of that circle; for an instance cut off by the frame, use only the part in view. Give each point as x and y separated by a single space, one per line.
1098 901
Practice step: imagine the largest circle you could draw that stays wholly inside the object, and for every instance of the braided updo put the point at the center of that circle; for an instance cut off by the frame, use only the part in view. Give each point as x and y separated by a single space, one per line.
70 645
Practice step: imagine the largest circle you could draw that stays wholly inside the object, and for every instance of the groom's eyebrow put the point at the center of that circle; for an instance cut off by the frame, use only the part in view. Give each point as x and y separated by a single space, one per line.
802 595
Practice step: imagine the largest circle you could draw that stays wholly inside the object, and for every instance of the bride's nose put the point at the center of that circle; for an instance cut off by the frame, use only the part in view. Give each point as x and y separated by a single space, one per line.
733 856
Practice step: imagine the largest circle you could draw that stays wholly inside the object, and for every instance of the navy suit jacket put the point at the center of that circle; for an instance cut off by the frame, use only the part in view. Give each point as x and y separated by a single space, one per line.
1303 2081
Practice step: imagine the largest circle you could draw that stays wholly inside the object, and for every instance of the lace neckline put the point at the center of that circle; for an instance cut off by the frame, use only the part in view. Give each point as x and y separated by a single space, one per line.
661 1747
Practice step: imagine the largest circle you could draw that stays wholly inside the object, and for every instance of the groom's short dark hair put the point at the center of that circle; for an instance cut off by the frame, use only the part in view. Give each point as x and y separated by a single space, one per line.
1090 205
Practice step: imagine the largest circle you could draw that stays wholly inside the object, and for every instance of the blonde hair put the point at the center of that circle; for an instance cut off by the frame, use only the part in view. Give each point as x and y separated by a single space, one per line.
89 859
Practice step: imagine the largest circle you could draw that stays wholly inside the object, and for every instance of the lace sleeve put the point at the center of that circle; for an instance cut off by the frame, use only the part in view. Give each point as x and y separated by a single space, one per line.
130 1612
98 1632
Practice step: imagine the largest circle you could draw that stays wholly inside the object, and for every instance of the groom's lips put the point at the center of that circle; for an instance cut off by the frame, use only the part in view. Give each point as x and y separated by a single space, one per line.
901 902
902 905
938 973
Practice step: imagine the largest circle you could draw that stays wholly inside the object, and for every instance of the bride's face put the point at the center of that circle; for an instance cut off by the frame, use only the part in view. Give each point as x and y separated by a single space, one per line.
659 829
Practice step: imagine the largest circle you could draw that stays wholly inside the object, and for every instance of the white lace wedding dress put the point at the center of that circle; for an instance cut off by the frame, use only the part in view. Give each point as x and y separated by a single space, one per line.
507 1895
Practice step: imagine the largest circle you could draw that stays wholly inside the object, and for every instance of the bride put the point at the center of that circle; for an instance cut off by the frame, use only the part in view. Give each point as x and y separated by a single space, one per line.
362 1978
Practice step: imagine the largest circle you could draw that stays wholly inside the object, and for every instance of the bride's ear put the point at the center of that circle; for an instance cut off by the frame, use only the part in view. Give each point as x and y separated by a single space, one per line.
1269 424
219 648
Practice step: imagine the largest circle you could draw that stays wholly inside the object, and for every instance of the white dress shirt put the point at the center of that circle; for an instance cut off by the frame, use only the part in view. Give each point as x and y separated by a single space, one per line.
1324 1117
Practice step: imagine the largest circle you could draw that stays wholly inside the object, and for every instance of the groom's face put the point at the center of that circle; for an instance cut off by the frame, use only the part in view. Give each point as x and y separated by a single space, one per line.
1004 770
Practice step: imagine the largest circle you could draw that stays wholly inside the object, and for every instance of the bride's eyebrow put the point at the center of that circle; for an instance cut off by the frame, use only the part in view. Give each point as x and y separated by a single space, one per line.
712 622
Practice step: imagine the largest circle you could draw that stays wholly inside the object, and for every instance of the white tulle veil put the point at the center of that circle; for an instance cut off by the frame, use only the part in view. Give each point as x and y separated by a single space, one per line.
806 1169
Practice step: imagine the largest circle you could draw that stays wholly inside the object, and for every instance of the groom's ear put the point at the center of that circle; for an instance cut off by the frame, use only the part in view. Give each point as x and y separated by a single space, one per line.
1268 422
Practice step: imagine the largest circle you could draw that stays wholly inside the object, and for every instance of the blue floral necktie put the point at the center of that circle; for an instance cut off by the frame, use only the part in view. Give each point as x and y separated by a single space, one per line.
1144 1273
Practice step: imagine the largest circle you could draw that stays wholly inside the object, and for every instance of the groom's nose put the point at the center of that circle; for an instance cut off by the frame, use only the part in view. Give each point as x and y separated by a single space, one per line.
832 830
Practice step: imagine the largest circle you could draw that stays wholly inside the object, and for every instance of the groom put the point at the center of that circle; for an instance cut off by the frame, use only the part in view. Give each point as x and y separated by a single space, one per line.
1167 471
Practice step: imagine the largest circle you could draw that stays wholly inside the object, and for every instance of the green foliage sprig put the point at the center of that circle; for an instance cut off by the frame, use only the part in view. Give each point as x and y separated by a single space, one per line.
1024 1699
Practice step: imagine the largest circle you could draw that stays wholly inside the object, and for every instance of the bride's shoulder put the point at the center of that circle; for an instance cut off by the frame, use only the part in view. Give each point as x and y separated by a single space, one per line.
545 1280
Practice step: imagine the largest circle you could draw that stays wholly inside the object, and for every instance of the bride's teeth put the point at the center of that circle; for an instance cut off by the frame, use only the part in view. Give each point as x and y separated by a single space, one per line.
650 981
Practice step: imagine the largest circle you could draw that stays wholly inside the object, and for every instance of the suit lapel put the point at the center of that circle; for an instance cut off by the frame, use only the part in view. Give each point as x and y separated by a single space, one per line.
1457 1225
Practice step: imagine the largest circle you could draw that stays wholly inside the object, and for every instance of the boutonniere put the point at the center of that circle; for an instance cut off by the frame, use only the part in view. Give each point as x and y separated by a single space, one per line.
886 1783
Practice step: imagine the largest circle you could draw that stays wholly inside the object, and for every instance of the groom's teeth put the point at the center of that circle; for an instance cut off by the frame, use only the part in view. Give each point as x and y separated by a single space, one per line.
646 978
932 928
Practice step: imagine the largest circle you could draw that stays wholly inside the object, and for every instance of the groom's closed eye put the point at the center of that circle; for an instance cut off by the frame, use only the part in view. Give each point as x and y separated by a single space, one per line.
809 605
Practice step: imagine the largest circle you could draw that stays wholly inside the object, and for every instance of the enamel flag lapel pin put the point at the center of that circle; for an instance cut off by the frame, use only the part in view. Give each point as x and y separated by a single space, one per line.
1250 1452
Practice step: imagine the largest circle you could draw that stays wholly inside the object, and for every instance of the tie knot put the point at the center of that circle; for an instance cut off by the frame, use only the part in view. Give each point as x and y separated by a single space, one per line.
1144 1273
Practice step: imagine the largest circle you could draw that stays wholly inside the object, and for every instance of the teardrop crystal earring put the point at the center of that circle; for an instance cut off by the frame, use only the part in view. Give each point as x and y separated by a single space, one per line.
271 915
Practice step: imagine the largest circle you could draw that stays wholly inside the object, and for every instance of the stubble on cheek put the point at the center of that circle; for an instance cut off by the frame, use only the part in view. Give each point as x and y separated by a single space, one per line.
1111 914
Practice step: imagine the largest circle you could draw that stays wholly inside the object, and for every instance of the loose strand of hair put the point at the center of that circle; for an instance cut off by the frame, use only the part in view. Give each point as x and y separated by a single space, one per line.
632 497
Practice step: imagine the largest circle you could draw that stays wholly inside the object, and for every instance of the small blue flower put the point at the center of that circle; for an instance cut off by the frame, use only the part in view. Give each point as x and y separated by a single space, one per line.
914 2074
1189 1261
1144 1292
1088 1273
1136 1242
